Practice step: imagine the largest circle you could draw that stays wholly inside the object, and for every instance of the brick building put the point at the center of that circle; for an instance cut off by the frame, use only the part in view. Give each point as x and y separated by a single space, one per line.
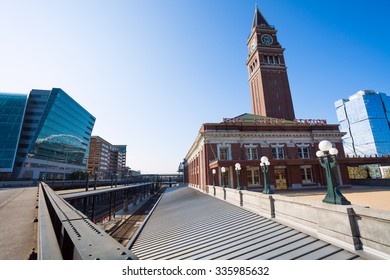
106 160
289 145
271 130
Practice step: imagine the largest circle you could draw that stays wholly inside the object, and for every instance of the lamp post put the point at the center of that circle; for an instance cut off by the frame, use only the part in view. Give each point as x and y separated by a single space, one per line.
223 170
238 168
264 164
327 157
213 171
95 181
87 182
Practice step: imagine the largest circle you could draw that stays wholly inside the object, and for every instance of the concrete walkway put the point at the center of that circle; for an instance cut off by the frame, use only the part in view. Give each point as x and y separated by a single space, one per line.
18 224
373 197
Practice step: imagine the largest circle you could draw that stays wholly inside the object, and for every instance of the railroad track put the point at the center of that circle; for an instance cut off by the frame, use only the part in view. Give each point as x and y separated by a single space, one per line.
126 230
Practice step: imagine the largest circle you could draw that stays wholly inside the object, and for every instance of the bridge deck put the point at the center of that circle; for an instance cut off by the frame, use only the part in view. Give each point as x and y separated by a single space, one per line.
18 225
190 225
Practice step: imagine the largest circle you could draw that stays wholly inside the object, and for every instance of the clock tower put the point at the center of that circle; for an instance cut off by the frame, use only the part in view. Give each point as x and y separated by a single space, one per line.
268 81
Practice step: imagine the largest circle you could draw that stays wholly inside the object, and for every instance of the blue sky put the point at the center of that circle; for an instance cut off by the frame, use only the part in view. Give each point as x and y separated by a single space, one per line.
152 72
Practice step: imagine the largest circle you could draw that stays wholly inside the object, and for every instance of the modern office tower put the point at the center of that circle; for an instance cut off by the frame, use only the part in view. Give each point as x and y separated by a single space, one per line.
55 136
268 82
12 108
365 118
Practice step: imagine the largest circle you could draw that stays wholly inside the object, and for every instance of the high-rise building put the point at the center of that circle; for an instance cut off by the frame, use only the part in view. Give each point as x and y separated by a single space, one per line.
365 119
54 139
12 109
106 160
122 160
268 81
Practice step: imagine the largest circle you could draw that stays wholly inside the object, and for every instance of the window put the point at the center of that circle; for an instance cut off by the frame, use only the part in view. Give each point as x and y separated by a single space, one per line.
253 175
278 152
306 174
224 152
303 151
251 153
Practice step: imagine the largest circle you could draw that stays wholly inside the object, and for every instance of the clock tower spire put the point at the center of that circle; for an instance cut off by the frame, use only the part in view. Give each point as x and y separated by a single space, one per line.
268 81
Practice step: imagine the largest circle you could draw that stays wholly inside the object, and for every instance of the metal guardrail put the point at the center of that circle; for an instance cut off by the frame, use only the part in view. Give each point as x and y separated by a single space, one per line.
65 233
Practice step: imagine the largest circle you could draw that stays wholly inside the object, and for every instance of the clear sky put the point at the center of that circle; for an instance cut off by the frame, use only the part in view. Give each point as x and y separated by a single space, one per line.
152 71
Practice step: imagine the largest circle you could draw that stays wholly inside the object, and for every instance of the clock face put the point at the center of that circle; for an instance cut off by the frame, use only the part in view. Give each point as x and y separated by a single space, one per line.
253 45
266 39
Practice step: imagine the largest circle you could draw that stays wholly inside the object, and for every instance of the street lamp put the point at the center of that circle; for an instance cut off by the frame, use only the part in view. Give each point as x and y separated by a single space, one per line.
213 171
223 170
238 168
327 157
264 166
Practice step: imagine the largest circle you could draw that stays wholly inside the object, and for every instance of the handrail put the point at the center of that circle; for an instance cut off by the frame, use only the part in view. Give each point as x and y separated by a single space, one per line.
77 237
48 247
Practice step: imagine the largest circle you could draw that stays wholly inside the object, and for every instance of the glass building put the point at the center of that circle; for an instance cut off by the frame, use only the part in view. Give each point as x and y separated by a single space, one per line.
55 136
365 118
12 109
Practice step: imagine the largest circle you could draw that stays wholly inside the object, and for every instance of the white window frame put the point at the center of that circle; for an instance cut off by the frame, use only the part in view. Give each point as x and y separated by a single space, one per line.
279 151
228 151
301 153
253 152
307 170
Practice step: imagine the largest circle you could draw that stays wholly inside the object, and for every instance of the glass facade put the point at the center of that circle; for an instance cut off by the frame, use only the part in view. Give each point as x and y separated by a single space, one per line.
12 109
365 118
55 136
64 131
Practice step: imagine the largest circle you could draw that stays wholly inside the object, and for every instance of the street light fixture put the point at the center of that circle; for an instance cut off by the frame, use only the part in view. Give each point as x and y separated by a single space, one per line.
223 170
264 164
213 171
327 157
238 168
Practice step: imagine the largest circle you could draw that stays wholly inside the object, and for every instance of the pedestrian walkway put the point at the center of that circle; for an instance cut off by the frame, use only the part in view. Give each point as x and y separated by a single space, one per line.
18 223
371 196
188 224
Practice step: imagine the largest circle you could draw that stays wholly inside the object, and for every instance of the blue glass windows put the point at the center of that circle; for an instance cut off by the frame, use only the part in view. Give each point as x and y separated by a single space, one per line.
12 108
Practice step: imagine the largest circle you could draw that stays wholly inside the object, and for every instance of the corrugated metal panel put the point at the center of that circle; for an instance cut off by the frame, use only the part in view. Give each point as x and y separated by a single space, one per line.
190 225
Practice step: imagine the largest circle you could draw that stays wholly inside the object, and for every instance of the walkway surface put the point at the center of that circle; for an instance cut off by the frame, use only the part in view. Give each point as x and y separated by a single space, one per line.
372 196
18 224
188 224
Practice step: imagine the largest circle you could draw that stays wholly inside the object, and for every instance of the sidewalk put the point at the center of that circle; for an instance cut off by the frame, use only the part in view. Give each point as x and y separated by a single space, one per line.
372 196
18 224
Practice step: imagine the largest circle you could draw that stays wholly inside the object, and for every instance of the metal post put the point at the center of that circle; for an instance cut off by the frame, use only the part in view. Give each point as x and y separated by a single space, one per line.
87 183
94 184
327 158
264 167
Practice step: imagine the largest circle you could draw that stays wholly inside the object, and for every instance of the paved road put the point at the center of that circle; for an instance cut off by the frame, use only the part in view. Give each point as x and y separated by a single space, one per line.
18 227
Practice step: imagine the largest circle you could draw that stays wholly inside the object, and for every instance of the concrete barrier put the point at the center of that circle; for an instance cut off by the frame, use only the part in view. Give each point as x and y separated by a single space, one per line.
355 228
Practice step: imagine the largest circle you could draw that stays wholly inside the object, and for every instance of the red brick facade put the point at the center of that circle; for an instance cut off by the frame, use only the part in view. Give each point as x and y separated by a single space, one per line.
267 71
296 165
